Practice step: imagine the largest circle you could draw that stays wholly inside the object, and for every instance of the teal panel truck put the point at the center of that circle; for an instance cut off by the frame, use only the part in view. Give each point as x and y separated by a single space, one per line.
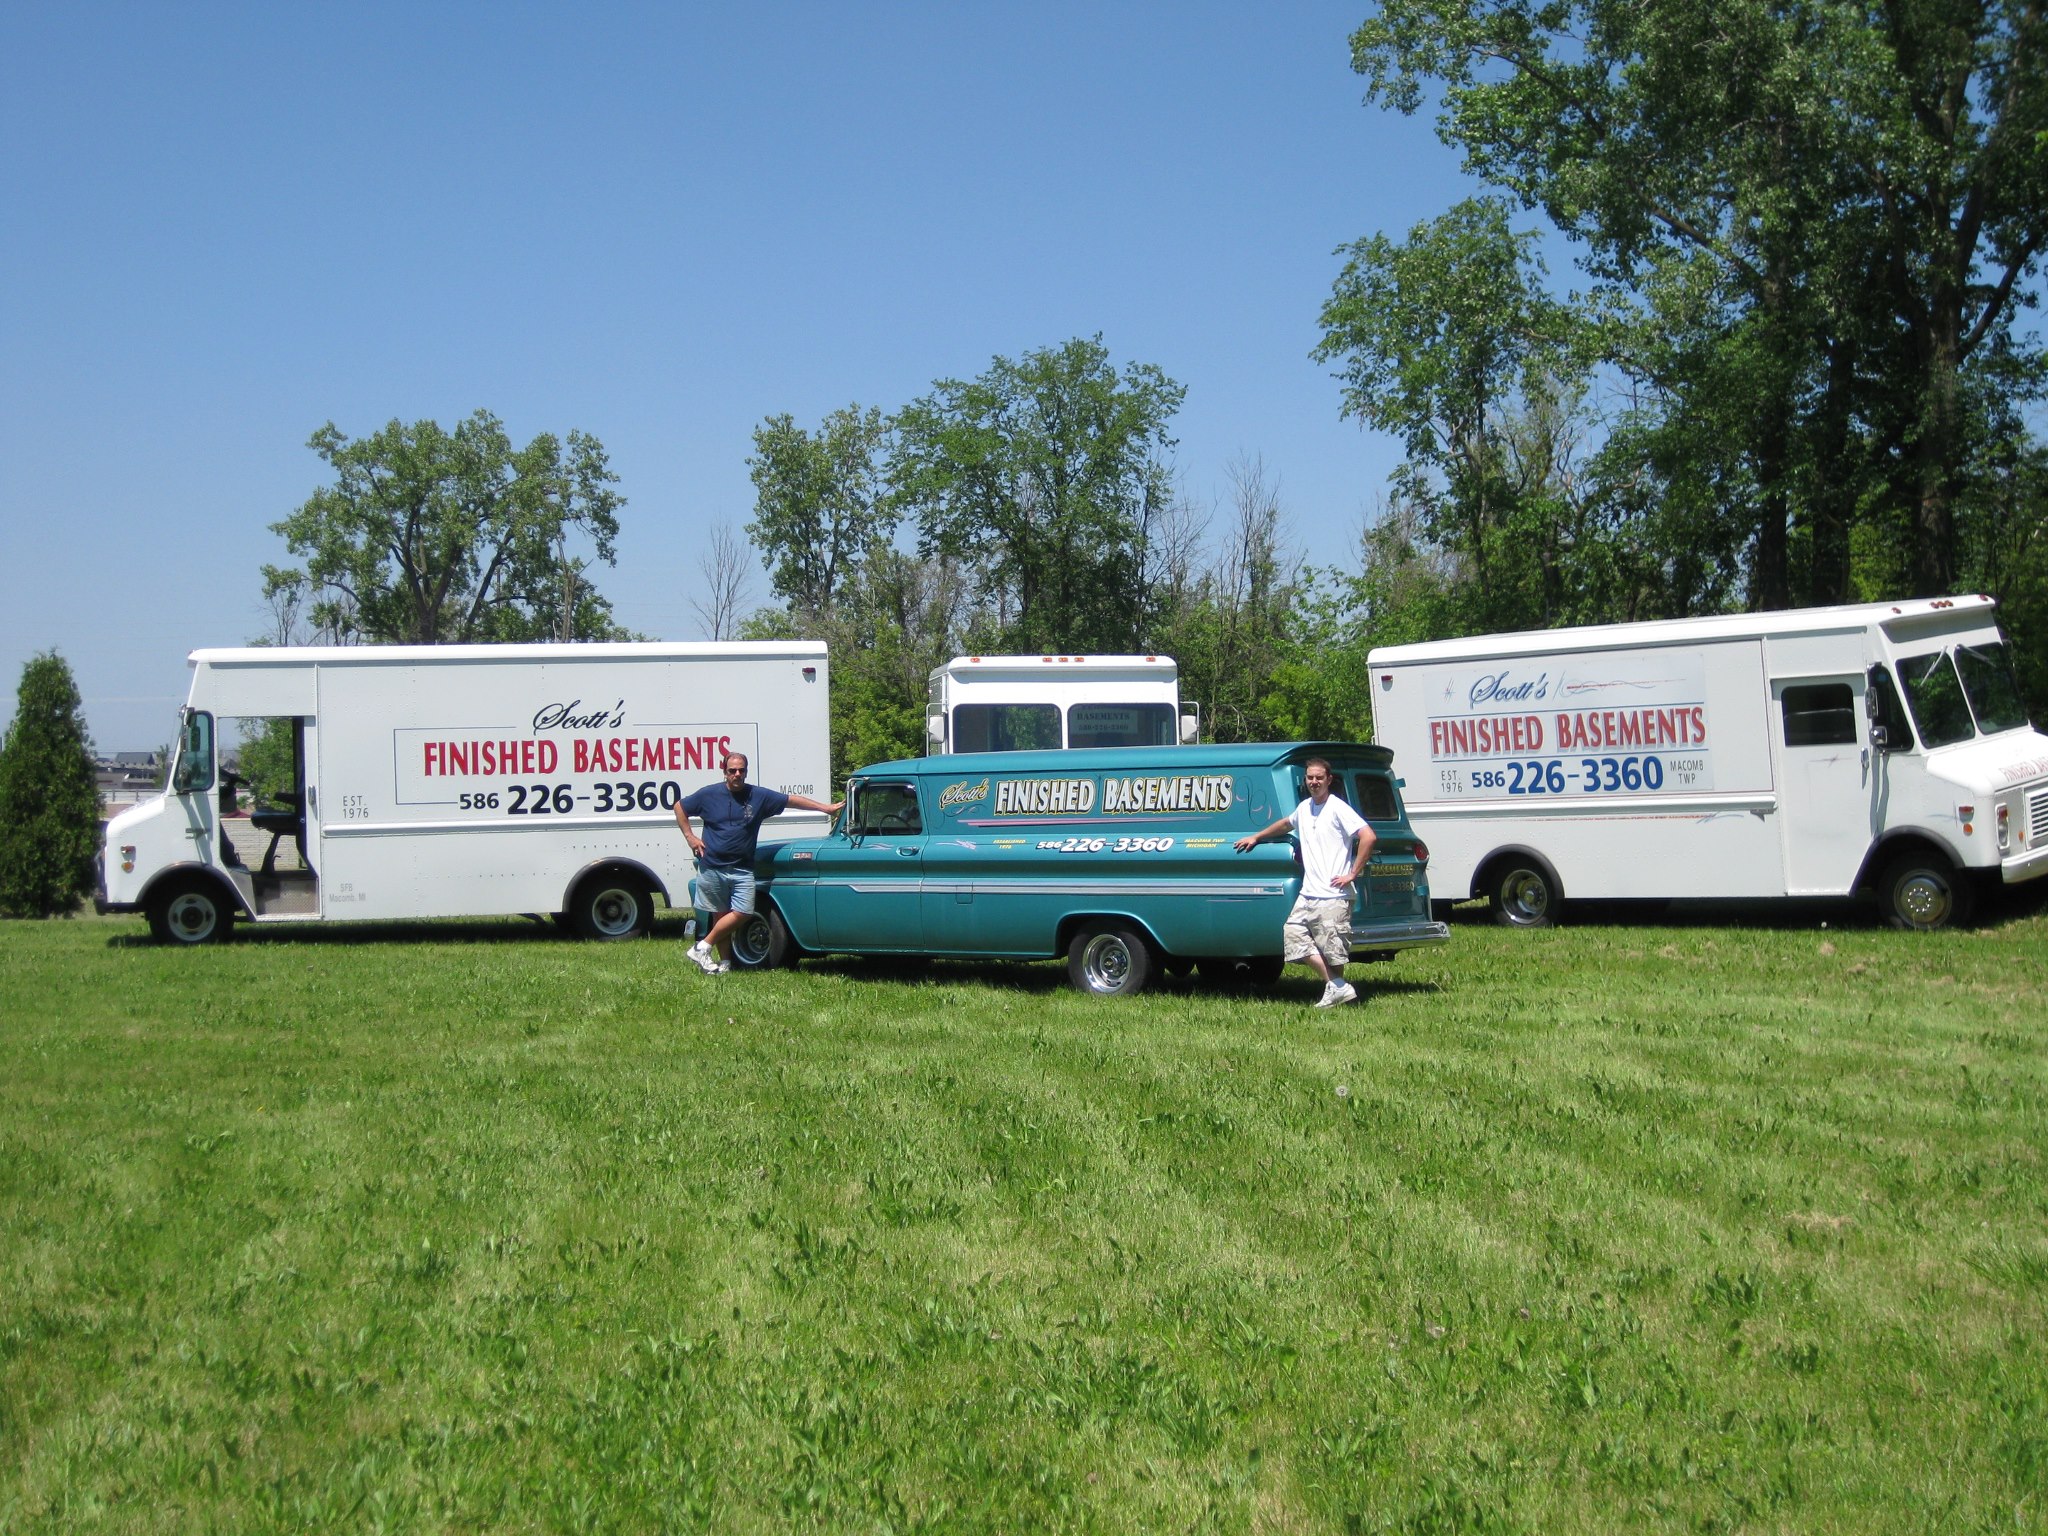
1119 859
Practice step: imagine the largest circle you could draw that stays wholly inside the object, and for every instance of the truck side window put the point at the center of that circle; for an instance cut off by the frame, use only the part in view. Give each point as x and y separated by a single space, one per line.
1375 799
1820 715
886 808
195 755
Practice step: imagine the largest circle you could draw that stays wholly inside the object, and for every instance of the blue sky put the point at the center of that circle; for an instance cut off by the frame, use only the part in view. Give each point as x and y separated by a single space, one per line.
658 224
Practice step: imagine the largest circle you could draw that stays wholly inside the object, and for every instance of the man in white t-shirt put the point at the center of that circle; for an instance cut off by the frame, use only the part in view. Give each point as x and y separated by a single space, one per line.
1335 845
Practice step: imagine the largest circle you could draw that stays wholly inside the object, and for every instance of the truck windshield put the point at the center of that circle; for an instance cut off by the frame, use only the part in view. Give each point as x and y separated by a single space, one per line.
1935 695
1955 695
1005 727
1993 693
1122 725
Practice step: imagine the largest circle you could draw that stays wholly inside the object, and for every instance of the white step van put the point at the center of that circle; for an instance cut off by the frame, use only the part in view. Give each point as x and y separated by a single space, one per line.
1045 703
465 780
1878 749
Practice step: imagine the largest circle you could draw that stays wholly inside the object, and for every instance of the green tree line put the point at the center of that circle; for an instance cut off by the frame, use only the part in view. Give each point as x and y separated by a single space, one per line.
1790 364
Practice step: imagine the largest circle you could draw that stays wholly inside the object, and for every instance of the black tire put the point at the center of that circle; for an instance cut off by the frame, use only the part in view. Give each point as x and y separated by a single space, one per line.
783 949
1109 960
612 905
190 912
1523 894
1923 892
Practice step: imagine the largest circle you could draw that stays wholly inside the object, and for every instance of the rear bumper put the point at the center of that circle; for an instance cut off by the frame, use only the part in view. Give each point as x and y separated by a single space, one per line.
1400 936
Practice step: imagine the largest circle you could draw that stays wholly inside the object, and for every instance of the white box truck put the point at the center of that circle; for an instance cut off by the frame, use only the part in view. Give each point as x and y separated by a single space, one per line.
466 780
1879 749
1045 703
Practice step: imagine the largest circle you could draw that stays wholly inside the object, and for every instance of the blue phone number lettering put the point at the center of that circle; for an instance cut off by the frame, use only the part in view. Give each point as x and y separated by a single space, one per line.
1591 776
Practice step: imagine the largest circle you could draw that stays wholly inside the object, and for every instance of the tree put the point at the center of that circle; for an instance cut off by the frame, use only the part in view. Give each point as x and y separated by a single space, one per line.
1045 476
1833 210
723 566
429 536
49 799
1445 338
1227 627
820 502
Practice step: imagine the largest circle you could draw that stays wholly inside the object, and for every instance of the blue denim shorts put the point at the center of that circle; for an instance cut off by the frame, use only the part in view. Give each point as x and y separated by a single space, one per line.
725 890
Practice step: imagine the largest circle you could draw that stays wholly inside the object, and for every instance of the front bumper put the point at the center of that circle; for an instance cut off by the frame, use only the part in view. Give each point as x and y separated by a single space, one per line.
2027 866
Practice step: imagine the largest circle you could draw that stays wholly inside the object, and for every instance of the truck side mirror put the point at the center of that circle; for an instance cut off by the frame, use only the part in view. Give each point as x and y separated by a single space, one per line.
1190 723
1880 738
935 725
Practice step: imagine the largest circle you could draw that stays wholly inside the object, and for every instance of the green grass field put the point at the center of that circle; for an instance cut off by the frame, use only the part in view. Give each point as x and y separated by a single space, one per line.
467 1227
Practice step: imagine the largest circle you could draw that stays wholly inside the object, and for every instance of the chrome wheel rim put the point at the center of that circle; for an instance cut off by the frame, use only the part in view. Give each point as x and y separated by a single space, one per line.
1526 896
1106 963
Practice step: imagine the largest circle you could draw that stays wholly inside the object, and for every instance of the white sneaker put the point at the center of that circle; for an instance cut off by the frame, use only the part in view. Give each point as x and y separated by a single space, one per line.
706 961
721 968
1337 993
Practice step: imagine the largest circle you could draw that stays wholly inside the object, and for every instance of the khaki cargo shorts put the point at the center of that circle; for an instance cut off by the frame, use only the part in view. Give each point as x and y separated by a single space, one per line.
1320 925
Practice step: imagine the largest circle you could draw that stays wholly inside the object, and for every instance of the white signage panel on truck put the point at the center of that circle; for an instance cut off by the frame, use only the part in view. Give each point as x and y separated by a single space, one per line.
451 781
1878 749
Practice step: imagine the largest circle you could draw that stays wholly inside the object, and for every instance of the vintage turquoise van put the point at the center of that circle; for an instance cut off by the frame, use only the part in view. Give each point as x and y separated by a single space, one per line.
1120 859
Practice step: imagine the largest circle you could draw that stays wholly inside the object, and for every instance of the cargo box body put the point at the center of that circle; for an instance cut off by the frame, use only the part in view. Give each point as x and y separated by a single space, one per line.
454 781
1878 749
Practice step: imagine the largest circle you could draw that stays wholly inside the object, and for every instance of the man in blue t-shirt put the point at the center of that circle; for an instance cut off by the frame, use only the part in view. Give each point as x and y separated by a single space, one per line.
732 814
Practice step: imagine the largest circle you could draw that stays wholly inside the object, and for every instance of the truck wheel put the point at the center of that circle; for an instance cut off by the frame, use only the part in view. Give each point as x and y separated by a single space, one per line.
753 943
1925 891
1108 960
1522 895
612 905
782 949
191 912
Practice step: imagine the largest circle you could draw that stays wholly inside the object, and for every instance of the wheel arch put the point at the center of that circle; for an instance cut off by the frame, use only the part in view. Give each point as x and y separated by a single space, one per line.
1884 849
183 874
1073 922
1483 871
615 864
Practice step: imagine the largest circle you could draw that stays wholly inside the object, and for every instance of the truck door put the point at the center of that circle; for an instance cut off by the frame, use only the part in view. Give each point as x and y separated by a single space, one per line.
1826 782
870 881
192 789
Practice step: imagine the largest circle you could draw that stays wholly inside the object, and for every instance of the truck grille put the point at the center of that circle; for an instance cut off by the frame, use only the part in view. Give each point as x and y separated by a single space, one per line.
2037 817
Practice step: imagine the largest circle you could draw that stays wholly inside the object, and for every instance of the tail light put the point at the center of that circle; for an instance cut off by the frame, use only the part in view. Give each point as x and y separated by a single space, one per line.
1421 851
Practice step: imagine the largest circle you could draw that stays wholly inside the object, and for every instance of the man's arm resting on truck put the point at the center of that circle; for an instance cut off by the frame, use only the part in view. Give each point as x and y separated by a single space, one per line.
1285 824
1271 834
800 802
